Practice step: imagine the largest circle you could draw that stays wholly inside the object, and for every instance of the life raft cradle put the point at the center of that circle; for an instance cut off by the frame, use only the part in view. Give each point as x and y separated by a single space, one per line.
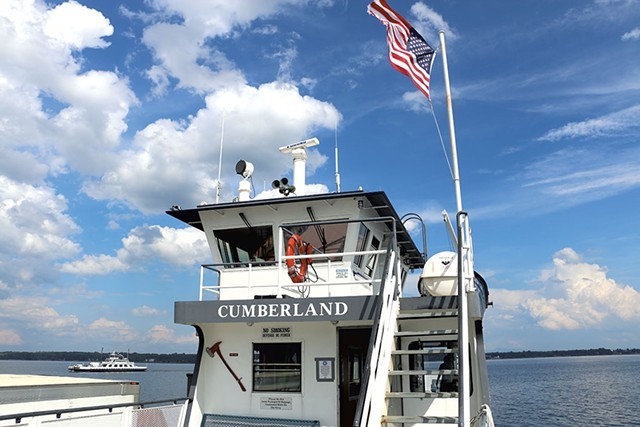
296 246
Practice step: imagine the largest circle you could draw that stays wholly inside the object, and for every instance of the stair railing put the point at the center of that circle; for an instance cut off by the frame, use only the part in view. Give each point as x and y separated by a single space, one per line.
371 401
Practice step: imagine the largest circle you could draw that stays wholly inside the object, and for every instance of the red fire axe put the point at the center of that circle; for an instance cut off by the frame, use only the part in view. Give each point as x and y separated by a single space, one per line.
215 349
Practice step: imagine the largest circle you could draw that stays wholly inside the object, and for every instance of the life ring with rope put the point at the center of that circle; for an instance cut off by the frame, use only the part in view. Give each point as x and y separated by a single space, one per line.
295 246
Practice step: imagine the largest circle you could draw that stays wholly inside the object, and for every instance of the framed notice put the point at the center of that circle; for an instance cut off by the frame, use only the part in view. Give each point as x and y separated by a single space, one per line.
325 369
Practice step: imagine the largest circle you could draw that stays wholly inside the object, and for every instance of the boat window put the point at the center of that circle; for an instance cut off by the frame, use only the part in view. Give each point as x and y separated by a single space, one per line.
325 239
277 367
441 375
363 236
356 370
245 244
371 258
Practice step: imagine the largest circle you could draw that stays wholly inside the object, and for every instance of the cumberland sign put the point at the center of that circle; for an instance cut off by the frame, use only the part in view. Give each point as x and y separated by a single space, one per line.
283 309
278 310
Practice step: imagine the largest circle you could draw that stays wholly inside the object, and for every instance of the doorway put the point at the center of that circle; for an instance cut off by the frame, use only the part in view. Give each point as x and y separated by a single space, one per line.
353 344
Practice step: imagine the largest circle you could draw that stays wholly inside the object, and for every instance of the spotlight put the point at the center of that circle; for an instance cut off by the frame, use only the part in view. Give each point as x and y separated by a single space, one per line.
244 168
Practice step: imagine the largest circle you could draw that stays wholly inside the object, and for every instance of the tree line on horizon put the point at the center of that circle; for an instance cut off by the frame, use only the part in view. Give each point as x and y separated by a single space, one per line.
95 356
560 353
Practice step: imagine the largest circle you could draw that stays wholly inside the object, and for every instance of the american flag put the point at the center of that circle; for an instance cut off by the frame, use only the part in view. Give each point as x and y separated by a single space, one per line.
409 53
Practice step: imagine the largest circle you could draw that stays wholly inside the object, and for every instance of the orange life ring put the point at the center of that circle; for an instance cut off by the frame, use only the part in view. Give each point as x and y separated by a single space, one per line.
295 246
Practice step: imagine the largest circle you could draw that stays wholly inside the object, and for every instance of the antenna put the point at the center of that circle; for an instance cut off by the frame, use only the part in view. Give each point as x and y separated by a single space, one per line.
219 185
337 171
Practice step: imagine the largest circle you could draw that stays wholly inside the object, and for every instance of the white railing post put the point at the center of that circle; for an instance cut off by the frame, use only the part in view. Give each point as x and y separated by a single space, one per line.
201 280
280 243
249 281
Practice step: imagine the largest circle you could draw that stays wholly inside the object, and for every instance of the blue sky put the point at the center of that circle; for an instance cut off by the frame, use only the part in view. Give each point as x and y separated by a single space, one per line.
110 113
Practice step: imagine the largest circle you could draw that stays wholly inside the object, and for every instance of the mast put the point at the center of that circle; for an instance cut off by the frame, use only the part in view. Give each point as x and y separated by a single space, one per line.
219 185
464 251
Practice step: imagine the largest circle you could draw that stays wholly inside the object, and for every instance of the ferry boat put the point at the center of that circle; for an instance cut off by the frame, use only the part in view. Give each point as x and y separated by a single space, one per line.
116 362
305 317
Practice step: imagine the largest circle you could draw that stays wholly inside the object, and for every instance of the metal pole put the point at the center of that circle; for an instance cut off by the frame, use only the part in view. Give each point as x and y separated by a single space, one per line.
452 129
218 184
464 411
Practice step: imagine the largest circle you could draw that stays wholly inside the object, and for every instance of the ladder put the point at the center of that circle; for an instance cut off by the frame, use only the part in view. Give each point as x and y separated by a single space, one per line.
413 400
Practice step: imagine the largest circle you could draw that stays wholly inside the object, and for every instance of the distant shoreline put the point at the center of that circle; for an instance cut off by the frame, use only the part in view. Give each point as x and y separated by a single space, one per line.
83 356
95 356
528 354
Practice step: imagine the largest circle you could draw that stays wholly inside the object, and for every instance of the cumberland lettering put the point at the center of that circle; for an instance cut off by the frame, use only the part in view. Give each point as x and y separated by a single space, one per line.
275 310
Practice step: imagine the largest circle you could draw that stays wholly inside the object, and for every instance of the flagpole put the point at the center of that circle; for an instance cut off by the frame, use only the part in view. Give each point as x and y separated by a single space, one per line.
452 129
464 410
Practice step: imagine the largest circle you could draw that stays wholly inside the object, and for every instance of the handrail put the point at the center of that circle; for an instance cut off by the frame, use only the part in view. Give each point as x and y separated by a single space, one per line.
57 412
250 265
386 311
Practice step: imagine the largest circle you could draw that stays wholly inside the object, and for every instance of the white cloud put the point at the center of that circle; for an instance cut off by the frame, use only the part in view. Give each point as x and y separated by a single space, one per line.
631 35
162 334
36 231
54 112
34 312
610 124
429 23
152 175
77 26
146 311
576 175
145 245
415 101
9 337
112 330
572 295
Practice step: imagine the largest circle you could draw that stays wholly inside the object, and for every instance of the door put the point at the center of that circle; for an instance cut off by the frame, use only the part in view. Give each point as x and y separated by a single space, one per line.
352 347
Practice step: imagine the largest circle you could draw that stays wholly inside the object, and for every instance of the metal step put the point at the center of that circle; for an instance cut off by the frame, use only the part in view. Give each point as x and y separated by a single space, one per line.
430 333
425 372
402 419
419 394
422 314
425 351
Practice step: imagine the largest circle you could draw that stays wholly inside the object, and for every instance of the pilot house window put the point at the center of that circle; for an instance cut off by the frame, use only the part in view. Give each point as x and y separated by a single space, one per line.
243 245
277 367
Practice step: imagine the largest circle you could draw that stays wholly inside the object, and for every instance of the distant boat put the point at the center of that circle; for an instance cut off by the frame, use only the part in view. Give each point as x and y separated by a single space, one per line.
116 362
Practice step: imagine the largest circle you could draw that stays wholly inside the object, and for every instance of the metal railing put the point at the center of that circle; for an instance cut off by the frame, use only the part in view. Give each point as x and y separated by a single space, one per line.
141 414
371 401
325 262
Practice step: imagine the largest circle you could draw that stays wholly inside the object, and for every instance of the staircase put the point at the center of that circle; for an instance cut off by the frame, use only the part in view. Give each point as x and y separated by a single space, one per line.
416 395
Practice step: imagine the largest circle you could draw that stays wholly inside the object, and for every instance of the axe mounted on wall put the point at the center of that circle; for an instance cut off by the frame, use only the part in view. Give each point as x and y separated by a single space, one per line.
215 349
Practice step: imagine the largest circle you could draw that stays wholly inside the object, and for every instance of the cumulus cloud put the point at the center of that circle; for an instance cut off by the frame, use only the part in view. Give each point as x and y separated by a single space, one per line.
143 246
54 113
162 334
36 231
77 26
35 312
573 294
146 311
9 337
151 175
189 53
112 330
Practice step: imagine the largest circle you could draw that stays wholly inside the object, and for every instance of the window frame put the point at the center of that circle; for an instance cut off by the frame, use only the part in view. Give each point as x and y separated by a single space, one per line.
277 352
